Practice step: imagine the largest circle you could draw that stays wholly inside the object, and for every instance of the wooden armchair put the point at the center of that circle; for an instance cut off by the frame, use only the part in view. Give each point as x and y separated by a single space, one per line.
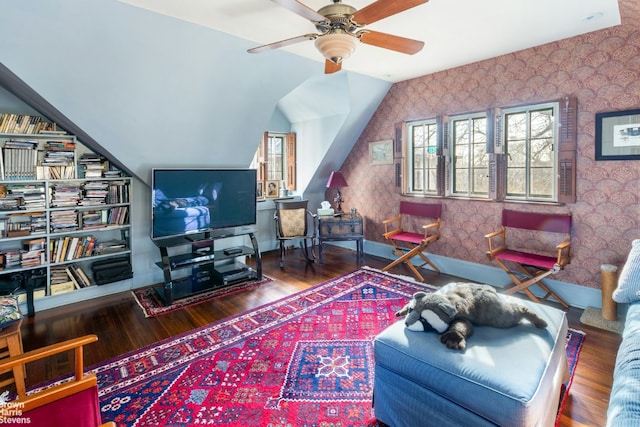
295 222
408 244
531 267
72 403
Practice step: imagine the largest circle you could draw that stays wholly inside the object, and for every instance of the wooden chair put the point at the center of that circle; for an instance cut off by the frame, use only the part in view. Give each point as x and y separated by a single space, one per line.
408 244
11 345
294 221
531 267
73 403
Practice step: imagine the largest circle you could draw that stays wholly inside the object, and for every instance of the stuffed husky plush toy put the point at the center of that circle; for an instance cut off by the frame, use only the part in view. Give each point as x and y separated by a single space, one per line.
453 313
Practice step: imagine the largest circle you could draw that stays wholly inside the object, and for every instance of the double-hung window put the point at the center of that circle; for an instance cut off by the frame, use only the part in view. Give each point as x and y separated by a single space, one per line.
525 153
422 155
530 140
470 161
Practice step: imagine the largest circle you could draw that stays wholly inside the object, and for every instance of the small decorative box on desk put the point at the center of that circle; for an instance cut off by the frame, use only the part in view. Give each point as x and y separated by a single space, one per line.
345 227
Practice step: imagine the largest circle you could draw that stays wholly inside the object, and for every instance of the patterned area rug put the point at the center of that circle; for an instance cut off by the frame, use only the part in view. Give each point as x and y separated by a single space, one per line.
305 360
151 304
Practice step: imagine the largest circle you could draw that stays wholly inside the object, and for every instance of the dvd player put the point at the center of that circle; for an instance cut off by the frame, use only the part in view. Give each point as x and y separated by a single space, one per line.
188 259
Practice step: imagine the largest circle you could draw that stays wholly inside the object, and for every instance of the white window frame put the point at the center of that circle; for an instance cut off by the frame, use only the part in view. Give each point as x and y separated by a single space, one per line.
428 157
528 195
471 144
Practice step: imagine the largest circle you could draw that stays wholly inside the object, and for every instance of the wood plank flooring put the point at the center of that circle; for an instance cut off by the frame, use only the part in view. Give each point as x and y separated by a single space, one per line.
122 327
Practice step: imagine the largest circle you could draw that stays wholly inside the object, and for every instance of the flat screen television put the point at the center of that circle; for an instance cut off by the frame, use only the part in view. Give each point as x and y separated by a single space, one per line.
189 201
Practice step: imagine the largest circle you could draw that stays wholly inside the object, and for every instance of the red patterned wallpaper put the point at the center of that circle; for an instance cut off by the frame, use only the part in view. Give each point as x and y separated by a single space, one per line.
602 69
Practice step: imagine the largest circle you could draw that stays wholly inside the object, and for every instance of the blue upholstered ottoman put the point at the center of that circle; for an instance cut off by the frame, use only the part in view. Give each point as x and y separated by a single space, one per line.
506 377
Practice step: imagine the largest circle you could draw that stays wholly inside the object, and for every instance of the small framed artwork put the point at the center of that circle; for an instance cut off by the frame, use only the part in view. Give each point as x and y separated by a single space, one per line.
273 188
618 135
260 190
381 152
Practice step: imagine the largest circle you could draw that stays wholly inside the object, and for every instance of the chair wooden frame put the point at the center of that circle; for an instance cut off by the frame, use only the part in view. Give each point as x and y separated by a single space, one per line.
79 383
531 268
310 222
409 244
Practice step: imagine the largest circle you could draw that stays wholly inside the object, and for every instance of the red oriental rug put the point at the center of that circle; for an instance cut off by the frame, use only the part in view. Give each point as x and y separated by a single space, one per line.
305 360
151 303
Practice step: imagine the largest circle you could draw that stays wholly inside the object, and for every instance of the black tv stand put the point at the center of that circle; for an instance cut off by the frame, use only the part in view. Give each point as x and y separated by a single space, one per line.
203 268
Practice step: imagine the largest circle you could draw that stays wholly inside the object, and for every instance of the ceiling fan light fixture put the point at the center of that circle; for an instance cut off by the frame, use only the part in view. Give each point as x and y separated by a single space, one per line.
336 47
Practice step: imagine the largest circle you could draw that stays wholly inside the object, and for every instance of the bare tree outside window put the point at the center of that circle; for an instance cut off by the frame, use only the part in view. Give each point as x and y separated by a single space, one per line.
529 141
470 171
423 149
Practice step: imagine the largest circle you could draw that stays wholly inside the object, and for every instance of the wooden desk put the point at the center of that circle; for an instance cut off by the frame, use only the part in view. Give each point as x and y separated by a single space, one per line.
342 228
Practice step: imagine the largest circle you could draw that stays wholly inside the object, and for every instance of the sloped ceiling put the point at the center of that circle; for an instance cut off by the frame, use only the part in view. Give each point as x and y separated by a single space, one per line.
455 32
156 91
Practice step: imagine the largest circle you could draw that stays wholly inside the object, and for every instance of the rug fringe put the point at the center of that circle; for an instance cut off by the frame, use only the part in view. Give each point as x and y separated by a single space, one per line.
140 304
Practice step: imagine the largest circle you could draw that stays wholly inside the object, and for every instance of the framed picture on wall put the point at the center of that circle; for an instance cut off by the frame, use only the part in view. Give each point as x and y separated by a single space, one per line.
381 152
273 188
260 190
618 135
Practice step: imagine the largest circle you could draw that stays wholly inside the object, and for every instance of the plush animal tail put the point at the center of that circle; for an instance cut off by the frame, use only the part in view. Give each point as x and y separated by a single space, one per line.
533 317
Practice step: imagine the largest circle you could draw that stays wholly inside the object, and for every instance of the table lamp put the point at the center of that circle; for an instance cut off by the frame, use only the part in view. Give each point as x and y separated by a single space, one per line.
336 180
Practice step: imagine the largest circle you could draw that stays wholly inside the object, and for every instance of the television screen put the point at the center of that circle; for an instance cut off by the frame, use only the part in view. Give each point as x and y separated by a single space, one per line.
186 201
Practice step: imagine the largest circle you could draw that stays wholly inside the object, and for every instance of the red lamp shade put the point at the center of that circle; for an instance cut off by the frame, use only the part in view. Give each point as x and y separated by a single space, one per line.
336 180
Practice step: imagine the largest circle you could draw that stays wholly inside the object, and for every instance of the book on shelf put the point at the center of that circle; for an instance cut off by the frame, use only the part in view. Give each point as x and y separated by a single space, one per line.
65 194
58 274
34 244
118 192
62 249
19 160
25 123
61 288
63 220
94 165
73 278
110 246
81 276
71 250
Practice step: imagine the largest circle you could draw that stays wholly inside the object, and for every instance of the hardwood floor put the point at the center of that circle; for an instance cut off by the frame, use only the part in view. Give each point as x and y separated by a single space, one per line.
122 327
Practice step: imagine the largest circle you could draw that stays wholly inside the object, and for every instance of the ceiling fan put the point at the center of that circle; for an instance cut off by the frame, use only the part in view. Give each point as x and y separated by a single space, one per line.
341 26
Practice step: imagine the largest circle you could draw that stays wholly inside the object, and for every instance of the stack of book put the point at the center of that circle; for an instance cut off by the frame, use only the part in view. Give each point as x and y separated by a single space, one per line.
31 195
94 193
59 275
65 194
18 224
109 247
94 165
65 220
11 258
10 203
32 258
38 222
93 219
59 160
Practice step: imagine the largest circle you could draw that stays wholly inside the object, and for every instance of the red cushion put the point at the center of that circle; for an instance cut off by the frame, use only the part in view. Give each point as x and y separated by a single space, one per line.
541 261
414 238
78 410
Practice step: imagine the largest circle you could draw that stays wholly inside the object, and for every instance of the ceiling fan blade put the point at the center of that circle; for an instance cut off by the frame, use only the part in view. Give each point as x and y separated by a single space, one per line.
389 41
382 9
331 67
282 43
302 10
